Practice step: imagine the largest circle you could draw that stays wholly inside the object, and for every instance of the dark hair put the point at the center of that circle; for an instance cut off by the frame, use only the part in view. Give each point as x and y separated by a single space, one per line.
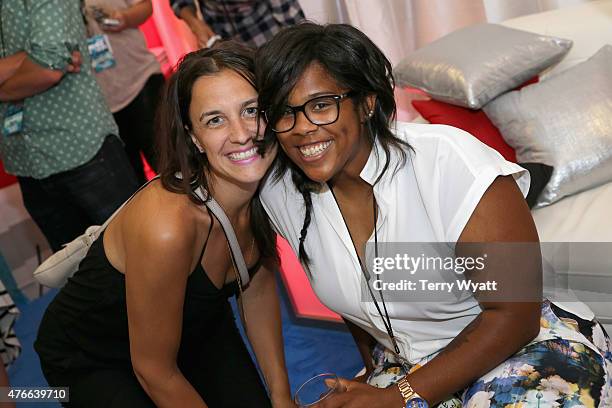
176 150
354 61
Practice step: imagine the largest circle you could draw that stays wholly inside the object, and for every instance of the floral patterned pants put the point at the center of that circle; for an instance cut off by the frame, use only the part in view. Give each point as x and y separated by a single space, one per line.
552 373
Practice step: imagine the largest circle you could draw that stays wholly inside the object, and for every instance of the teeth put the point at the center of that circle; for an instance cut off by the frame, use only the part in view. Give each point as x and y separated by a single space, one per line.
313 150
247 154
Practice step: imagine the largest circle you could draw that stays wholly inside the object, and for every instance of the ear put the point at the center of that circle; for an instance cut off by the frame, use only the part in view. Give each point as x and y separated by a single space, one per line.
368 106
196 142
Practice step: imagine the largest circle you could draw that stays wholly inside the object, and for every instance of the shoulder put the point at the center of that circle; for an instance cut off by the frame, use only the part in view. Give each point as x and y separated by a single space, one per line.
160 219
440 141
449 150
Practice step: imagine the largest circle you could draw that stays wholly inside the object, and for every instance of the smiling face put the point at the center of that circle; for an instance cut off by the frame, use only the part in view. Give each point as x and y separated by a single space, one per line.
224 116
324 152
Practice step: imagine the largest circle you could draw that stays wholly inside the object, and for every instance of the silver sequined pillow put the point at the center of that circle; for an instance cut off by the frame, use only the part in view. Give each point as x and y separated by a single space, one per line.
565 122
471 66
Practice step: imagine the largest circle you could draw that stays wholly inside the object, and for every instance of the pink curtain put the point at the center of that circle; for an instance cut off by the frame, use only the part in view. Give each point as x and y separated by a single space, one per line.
167 36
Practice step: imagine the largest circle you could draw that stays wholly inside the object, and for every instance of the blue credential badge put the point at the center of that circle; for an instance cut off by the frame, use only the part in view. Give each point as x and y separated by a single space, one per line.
13 119
100 52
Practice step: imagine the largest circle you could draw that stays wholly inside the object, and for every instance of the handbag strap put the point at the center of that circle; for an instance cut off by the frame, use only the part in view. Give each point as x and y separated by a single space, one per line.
99 231
236 252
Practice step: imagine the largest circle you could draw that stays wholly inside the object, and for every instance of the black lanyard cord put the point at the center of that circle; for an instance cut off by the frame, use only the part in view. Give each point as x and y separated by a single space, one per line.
385 318
382 298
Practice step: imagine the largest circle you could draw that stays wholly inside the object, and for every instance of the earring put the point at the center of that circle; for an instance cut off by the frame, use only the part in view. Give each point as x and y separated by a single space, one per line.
370 114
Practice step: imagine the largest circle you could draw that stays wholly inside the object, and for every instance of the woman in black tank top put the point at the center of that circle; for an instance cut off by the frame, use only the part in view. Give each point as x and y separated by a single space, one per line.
146 320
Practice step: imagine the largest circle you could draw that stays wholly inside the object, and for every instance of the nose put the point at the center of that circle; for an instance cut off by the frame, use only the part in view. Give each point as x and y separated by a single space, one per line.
303 125
242 131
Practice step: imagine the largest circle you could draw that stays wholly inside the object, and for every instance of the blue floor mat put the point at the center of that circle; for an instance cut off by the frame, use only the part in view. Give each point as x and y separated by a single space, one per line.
25 371
311 348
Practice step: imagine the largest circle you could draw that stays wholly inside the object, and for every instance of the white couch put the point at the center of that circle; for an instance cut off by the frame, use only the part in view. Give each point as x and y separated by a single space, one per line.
587 216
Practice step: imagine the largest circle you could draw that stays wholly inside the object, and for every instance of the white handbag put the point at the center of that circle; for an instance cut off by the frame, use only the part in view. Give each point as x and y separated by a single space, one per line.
55 270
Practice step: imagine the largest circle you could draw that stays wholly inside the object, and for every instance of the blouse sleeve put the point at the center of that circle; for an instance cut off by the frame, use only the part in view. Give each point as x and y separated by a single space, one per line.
464 170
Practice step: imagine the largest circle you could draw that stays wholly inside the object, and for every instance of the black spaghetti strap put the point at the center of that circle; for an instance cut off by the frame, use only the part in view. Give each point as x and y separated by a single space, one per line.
212 221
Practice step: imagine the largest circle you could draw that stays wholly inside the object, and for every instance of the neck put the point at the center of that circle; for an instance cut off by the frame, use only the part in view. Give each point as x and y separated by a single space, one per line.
348 180
233 198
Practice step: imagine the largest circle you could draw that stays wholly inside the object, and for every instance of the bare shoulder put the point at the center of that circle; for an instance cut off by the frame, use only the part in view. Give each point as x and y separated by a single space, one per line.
163 221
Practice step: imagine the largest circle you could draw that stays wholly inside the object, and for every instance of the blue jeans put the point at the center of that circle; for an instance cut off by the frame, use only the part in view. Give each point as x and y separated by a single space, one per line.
65 204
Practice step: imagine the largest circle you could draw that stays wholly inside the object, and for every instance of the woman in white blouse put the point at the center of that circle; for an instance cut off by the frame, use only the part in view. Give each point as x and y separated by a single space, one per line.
348 174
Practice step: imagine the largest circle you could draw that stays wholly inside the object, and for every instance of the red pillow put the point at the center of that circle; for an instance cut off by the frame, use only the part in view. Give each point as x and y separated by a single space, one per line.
475 122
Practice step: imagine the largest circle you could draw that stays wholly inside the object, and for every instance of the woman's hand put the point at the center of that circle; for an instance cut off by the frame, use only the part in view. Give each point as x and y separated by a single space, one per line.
359 395
122 22
131 17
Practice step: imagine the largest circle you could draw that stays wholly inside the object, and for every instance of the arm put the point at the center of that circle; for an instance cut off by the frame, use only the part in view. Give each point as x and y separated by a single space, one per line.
30 79
263 327
159 257
49 57
186 11
10 64
500 330
365 344
131 17
503 327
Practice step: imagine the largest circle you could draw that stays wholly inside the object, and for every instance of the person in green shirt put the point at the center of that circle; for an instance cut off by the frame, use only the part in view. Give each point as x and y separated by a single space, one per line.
58 135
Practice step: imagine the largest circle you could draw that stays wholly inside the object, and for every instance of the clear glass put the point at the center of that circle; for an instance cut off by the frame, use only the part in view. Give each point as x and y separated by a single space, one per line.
316 390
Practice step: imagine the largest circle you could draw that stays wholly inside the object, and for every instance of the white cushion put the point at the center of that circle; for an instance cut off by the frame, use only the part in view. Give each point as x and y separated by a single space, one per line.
588 25
584 217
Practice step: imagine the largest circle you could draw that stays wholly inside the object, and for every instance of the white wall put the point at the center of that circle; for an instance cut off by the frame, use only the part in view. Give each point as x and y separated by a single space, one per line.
499 10
324 11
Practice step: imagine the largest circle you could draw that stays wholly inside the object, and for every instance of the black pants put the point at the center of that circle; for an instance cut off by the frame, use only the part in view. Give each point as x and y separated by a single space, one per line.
137 125
220 369
65 204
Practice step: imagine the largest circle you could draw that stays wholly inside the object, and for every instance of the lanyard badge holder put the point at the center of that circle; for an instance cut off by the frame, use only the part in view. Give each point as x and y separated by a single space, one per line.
98 45
100 52
13 119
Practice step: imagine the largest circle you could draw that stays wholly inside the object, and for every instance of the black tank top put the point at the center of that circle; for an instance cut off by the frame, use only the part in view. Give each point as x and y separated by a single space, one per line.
90 316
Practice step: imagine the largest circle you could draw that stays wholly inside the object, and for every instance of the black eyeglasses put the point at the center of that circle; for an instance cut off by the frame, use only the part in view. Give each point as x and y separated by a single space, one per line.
322 110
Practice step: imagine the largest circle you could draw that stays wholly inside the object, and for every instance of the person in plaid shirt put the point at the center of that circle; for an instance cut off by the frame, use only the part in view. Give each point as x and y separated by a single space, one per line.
251 21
